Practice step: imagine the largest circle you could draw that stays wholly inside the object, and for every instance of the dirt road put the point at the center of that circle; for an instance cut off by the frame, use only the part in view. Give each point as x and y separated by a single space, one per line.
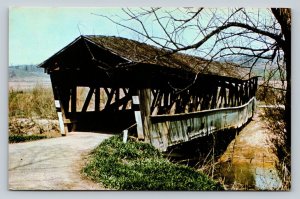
52 164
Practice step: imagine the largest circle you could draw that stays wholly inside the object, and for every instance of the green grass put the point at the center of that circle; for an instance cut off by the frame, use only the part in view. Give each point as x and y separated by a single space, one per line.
25 138
139 166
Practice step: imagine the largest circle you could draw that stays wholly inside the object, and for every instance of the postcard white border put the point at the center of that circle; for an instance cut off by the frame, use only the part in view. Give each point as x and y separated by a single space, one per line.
294 193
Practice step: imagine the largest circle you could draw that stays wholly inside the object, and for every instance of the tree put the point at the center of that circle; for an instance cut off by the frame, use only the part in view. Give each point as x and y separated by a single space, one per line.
246 36
249 37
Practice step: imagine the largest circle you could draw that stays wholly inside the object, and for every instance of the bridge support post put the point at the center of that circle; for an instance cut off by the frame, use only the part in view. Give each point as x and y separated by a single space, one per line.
145 106
137 115
59 104
142 105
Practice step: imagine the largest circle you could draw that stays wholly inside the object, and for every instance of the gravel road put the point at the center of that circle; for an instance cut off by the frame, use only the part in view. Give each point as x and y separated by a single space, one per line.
52 164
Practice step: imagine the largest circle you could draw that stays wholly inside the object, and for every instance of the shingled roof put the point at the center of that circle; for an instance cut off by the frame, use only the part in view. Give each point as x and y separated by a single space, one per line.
133 52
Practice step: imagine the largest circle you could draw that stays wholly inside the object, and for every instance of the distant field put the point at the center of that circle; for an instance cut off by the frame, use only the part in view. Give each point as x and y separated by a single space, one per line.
27 85
27 77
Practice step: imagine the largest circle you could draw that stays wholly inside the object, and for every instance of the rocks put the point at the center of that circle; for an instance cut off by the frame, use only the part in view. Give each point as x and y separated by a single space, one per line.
25 126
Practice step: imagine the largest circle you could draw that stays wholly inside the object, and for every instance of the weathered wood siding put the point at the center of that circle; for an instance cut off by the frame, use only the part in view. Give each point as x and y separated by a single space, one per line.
168 130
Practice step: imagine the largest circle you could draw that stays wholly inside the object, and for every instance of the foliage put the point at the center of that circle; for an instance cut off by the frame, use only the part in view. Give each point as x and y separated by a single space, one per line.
139 166
35 103
282 142
15 138
270 95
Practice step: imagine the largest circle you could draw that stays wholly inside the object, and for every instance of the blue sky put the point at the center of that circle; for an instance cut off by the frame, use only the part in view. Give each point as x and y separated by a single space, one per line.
37 33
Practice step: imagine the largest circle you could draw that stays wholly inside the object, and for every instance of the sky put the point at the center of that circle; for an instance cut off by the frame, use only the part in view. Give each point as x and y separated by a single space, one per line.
35 34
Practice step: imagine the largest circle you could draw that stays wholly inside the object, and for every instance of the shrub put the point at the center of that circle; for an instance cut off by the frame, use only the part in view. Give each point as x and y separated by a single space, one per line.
139 166
15 138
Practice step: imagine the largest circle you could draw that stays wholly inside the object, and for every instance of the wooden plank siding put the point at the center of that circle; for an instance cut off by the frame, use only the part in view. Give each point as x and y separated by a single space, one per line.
168 130
171 118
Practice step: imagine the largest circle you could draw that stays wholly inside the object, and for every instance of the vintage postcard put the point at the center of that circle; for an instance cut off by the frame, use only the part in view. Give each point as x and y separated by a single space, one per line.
172 99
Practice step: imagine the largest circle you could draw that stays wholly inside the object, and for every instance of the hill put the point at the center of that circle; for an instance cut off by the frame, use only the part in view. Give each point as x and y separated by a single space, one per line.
26 72
27 76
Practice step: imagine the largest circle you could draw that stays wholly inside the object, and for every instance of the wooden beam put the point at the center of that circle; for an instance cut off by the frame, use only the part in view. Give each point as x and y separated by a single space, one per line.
64 96
172 105
241 94
121 102
109 96
236 94
59 107
230 97
117 98
145 102
137 115
185 101
97 99
165 101
106 91
222 96
198 103
125 91
73 99
154 92
127 95
178 108
214 97
225 97
155 99
88 99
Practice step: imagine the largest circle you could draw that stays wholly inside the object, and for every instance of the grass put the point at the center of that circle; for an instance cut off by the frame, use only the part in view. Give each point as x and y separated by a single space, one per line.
24 138
35 103
139 166
30 112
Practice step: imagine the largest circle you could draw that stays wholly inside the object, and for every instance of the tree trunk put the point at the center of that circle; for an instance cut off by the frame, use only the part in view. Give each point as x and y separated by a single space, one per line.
283 16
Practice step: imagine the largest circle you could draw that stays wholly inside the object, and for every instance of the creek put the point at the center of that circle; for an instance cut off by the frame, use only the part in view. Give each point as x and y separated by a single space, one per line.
243 160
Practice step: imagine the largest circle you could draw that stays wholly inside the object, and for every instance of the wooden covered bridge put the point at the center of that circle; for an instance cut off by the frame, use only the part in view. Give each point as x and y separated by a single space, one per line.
166 98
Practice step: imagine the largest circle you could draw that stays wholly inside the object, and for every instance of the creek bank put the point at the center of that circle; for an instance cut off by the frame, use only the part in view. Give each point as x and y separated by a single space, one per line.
249 161
244 160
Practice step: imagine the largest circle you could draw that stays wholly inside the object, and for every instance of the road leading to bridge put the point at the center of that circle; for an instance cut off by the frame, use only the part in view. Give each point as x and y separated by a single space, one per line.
52 164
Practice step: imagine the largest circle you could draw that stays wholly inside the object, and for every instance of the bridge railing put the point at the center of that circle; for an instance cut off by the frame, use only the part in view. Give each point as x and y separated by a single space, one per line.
168 130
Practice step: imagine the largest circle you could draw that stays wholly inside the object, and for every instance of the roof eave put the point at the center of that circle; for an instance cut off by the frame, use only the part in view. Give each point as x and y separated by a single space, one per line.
44 63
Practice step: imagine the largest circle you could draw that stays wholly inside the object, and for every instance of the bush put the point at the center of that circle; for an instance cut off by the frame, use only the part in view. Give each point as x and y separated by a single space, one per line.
24 138
139 166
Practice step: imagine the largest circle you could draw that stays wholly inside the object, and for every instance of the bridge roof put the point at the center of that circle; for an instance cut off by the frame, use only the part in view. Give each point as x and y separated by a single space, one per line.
109 53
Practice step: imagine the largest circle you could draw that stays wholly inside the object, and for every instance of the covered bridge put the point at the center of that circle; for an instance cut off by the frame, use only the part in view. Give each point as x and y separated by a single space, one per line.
166 98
